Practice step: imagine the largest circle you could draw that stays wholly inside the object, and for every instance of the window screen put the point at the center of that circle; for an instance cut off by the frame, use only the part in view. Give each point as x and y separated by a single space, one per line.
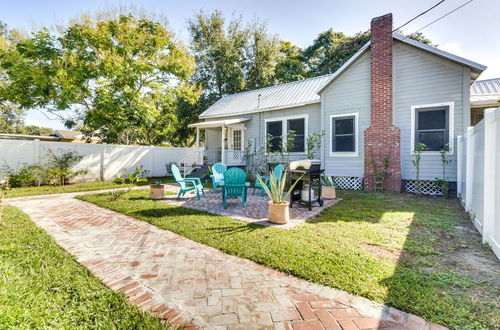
298 126
343 134
432 128
274 130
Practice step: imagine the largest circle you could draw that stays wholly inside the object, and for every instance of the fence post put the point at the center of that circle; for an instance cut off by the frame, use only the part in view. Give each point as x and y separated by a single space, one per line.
151 160
469 169
460 142
101 163
490 175
36 151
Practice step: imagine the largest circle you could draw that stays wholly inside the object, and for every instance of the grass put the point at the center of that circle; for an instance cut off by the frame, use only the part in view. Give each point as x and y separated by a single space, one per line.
75 187
42 287
393 249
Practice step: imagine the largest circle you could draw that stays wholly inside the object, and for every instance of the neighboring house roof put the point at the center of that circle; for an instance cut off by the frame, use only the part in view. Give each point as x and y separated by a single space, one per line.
307 91
28 137
71 135
485 93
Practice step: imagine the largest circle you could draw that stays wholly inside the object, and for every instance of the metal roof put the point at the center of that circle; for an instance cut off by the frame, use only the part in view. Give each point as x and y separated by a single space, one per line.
307 91
219 123
287 95
486 87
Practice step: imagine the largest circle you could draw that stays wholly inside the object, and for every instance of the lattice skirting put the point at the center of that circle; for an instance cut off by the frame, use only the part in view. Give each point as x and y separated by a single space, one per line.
427 187
348 182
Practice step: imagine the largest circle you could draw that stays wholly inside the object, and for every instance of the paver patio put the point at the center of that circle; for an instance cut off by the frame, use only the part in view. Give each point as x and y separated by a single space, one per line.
255 209
190 283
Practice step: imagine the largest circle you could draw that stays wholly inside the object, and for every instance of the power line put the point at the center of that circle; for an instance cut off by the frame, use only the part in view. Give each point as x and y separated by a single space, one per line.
422 13
454 10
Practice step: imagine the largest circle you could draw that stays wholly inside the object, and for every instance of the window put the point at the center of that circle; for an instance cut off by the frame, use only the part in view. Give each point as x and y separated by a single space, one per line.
237 139
431 125
277 130
343 129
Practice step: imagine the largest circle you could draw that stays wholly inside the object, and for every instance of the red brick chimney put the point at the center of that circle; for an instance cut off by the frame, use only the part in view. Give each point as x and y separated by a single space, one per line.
382 138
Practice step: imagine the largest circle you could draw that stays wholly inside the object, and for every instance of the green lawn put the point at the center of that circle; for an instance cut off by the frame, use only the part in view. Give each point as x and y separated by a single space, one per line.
75 187
394 249
41 286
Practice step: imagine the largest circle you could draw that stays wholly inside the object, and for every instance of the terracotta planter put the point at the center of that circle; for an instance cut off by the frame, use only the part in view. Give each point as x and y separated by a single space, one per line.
278 213
156 191
328 192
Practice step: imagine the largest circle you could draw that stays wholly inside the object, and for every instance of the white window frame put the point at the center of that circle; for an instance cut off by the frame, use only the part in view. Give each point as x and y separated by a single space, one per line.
451 121
285 131
241 138
354 153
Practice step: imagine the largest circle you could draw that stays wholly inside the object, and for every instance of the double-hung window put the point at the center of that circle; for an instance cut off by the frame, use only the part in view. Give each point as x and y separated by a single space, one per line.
343 132
277 131
432 126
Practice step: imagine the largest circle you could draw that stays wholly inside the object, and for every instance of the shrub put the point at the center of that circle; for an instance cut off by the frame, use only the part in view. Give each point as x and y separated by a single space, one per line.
59 167
24 175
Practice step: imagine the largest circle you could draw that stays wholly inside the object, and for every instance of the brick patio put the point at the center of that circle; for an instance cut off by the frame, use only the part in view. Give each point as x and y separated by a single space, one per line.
189 283
255 209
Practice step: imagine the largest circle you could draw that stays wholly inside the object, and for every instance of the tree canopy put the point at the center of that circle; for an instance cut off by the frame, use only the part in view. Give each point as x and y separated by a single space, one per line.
123 76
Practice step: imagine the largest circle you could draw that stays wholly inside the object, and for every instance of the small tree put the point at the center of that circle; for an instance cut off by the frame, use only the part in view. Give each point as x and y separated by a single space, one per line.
283 150
443 182
313 143
417 153
59 167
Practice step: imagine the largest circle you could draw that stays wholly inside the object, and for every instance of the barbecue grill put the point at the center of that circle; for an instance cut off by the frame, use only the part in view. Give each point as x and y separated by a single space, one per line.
308 172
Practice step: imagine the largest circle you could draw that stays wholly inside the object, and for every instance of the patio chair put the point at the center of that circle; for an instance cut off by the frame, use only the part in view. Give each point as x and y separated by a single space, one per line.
278 170
187 184
218 175
234 185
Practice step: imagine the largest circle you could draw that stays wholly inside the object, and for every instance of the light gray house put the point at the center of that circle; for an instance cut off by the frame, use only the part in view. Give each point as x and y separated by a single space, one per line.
393 93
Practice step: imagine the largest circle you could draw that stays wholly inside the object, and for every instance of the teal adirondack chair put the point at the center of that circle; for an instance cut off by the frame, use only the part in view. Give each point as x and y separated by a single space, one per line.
234 185
278 170
187 184
218 175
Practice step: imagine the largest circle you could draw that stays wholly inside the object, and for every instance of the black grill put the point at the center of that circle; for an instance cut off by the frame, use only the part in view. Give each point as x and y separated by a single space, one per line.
308 172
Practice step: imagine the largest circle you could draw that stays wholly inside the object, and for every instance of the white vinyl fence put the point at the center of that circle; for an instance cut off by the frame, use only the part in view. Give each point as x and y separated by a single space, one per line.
103 161
479 176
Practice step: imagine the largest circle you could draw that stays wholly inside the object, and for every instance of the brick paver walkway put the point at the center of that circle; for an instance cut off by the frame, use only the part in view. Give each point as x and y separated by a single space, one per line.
190 283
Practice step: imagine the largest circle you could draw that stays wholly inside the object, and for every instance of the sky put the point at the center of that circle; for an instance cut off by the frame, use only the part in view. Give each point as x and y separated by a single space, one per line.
471 32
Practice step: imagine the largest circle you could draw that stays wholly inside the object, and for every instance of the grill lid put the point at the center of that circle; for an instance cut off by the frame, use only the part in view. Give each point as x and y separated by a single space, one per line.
304 164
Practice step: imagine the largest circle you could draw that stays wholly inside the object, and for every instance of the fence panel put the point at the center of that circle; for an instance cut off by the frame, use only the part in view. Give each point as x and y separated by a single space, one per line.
479 169
103 161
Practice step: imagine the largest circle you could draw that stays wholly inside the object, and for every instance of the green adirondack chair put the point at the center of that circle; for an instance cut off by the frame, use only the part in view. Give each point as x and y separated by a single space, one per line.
278 170
218 175
234 185
187 184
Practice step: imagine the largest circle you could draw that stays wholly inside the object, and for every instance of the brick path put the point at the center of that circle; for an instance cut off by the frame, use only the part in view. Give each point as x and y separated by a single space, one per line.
190 283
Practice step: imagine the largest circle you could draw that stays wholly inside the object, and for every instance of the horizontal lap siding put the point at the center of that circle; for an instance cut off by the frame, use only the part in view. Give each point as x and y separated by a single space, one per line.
349 93
419 79
256 126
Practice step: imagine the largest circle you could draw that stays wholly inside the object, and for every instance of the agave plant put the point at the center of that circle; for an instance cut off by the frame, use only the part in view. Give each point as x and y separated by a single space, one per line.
327 181
277 189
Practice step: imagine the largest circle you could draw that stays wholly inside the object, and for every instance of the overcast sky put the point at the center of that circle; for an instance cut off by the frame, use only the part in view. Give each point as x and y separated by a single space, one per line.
472 32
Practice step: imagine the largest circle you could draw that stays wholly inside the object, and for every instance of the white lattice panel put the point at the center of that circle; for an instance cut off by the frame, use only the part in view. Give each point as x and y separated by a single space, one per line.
348 182
427 187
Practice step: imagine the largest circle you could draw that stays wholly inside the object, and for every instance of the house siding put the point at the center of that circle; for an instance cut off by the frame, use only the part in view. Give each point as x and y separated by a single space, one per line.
256 126
349 93
419 79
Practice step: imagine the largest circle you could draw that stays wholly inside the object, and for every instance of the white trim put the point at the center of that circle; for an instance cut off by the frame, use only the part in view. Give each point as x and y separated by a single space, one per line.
284 130
355 153
451 125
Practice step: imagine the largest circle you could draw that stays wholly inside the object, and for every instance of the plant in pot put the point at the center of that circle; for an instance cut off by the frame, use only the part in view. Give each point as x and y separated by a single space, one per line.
328 189
278 211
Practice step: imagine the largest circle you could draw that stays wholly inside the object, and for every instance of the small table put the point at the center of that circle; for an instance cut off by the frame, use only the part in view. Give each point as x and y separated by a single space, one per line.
157 191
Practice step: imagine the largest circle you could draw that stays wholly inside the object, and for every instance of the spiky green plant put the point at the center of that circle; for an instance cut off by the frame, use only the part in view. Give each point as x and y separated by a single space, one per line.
277 187
327 181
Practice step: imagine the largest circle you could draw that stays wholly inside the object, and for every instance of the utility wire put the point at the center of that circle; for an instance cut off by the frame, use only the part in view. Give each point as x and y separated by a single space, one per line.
454 10
422 13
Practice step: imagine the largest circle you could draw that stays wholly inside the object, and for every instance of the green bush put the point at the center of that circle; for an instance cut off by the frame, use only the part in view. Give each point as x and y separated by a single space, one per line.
59 167
24 175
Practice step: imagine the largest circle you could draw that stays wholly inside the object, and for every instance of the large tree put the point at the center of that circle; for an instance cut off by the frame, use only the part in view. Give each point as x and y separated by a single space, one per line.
123 76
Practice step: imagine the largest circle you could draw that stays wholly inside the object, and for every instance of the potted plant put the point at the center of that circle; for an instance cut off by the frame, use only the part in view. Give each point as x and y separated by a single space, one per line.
205 160
328 187
278 211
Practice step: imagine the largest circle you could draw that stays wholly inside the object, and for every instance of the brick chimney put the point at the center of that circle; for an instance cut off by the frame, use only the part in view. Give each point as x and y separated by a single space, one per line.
382 138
